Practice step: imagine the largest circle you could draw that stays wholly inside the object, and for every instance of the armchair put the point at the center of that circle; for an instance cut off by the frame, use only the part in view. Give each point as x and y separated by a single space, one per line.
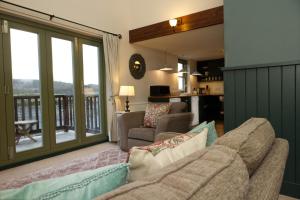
133 133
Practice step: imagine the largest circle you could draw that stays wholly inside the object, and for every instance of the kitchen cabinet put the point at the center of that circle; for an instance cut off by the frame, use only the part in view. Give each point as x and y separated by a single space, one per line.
211 70
211 107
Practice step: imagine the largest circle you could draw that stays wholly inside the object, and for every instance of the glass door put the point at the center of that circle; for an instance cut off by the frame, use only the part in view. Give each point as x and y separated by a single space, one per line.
26 90
3 139
93 90
52 91
63 109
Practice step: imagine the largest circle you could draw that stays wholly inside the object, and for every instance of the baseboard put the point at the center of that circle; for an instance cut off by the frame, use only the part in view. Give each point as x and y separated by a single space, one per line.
290 189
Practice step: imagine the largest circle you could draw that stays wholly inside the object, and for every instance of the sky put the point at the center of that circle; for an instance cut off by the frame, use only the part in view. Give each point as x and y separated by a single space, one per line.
25 62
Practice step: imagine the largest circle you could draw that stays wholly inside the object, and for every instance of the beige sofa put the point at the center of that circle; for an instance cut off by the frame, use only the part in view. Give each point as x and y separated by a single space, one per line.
246 163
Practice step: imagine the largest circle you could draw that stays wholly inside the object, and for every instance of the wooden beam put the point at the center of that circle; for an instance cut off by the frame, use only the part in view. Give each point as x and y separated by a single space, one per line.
190 22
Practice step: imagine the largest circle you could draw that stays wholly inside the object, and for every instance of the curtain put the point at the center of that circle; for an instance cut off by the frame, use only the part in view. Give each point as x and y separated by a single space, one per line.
111 54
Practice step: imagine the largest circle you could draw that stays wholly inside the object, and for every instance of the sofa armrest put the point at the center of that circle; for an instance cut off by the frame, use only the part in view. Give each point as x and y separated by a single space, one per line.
126 122
265 183
179 122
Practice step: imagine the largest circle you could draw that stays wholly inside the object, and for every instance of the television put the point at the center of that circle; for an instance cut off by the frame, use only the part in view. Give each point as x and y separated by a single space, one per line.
159 90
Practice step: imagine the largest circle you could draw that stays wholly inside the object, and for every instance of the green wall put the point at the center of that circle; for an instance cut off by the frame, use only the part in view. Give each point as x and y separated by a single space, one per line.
262 72
261 31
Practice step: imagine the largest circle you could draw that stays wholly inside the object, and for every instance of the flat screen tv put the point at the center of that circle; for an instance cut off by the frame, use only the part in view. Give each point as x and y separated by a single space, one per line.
159 90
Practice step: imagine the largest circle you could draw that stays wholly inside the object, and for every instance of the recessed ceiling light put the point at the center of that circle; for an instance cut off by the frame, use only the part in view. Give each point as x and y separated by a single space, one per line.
196 73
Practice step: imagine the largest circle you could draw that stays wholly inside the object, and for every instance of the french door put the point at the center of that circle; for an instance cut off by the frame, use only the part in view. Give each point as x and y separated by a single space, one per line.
93 90
51 91
3 138
64 97
26 91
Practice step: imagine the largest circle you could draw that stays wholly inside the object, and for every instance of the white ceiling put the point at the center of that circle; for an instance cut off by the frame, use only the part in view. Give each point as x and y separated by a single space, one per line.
200 44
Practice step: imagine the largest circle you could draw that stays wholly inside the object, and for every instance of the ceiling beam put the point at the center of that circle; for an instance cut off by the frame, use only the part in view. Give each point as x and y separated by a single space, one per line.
190 22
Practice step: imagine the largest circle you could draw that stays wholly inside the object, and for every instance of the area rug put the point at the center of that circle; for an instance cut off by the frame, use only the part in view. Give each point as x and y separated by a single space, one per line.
93 161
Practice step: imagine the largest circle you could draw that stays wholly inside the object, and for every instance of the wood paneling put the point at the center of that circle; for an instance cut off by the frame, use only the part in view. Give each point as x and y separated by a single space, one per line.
272 92
275 98
240 96
229 104
262 92
288 117
201 19
297 133
250 93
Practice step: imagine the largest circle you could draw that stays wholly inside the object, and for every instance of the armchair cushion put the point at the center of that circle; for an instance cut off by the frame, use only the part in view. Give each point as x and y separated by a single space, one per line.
178 122
153 112
178 107
146 134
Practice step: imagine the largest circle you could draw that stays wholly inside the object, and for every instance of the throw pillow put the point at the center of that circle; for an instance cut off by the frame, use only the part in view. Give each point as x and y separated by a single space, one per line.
200 127
83 185
212 133
150 159
153 112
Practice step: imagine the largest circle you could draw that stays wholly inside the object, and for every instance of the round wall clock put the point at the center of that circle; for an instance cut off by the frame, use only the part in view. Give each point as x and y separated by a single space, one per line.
137 66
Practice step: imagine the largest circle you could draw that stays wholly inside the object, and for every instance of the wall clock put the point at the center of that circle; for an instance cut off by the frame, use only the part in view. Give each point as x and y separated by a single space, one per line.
137 66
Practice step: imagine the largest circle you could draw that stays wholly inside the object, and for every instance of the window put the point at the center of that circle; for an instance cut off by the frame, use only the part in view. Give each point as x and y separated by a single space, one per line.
53 83
182 75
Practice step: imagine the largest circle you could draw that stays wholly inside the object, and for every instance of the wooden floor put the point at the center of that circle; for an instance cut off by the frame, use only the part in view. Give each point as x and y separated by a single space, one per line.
219 127
282 197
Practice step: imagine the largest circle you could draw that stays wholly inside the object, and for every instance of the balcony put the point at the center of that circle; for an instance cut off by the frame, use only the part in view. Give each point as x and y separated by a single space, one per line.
28 108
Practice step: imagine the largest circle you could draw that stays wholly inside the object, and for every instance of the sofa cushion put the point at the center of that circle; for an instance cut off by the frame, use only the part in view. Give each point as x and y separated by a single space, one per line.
203 175
146 134
153 112
83 185
253 140
150 159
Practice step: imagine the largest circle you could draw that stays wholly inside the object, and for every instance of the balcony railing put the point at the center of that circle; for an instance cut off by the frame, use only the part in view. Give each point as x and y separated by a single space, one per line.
29 108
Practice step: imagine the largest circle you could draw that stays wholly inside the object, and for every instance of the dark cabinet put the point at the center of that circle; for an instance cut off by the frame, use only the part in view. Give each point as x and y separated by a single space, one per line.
210 108
211 69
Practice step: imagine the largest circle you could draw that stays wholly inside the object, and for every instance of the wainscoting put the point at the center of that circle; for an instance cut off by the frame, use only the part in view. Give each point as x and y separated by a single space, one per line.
270 91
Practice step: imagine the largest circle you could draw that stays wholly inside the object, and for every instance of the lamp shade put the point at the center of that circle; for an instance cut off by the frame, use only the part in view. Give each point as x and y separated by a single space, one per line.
126 90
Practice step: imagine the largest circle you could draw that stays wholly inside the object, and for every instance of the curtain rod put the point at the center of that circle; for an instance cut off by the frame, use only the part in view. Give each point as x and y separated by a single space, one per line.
51 16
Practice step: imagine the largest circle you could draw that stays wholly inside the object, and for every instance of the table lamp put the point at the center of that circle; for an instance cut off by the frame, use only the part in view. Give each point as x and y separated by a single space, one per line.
127 91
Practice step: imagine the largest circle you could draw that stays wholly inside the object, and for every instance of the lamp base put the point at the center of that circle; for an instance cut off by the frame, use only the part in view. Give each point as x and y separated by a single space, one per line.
127 105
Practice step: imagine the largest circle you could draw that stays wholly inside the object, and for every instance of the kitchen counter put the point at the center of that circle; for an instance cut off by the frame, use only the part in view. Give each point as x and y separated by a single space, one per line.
206 107
185 95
